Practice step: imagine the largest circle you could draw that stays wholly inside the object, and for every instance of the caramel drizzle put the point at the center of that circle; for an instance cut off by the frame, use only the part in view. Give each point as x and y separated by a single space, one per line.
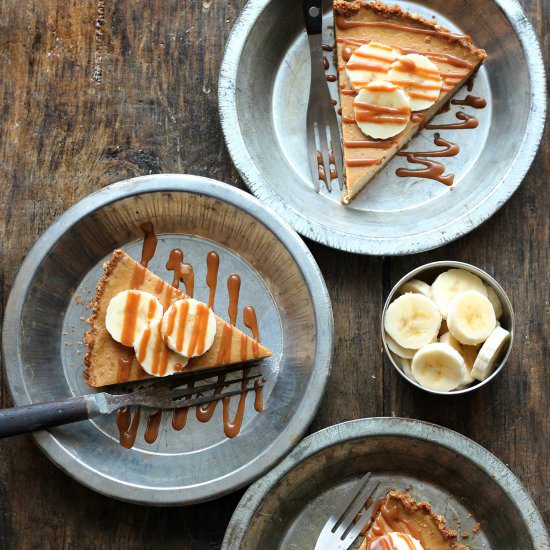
153 424
353 163
127 426
331 78
450 149
232 428
182 271
471 101
367 112
124 365
149 246
251 322
204 412
321 172
327 47
129 322
258 396
233 289
453 60
369 143
347 91
404 65
432 170
212 268
366 66
345 24
179 418
468 121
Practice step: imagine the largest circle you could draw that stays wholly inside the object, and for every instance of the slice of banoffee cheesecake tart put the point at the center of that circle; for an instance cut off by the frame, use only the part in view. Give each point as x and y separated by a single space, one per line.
141 326
396 71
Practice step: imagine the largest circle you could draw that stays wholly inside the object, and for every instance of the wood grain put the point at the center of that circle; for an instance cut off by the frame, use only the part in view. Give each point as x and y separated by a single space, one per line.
95 92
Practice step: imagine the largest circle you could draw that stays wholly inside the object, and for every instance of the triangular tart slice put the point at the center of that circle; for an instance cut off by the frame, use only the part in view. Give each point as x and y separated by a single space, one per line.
108 362
359 22
400 513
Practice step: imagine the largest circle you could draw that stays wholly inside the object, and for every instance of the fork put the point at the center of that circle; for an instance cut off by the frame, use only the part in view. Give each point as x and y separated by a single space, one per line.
341 529
169 393
321 116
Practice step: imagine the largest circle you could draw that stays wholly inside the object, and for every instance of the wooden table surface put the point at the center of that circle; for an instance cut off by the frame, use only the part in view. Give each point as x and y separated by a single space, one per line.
96 92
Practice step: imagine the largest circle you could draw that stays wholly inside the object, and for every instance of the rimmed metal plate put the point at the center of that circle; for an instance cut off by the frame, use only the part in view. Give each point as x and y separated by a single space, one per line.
288 507
47 309
263 93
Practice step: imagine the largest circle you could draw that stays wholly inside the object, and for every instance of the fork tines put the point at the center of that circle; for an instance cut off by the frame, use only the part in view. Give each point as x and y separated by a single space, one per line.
179 391
341 529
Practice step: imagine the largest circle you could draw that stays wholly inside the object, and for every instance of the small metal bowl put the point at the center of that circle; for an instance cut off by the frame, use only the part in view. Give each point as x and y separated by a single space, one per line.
428 273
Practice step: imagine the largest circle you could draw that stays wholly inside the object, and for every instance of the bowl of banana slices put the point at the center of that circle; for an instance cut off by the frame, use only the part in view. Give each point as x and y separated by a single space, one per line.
448 327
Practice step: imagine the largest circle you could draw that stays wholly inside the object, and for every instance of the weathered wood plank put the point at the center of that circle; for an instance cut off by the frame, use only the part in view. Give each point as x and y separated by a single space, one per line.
95 92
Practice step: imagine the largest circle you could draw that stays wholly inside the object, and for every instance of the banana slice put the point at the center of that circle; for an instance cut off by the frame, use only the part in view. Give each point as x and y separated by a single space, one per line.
412 321
489 353
381 109
417 286
405 366
189 327
451 283
395 541
129 312
369 62
419 77
494 299
154 355
438 367
448 338
471 318
468 353
400 351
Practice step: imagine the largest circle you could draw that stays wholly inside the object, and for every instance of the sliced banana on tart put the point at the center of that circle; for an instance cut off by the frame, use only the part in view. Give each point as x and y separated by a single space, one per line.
446 336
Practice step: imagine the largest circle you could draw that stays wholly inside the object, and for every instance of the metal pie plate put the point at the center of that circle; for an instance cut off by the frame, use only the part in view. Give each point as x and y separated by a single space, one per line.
463 482
45 323
263 94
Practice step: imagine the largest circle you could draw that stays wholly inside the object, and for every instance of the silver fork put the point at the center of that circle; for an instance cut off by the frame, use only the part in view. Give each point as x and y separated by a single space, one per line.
321 116
344 526
168 393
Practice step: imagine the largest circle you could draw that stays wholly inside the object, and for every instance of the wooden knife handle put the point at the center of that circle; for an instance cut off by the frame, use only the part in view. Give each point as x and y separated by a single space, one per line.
313 16
30 418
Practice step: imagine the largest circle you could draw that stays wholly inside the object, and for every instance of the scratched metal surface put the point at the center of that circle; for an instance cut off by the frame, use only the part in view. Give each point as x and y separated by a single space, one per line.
280 279
288 507
266 65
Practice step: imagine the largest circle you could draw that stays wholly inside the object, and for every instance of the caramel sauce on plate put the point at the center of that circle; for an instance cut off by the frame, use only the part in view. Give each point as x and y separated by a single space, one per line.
212 266
471 101
127 423
468 121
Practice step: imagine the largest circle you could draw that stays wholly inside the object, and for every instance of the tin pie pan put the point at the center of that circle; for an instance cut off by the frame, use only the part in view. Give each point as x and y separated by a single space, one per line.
462 481
46 318
263 95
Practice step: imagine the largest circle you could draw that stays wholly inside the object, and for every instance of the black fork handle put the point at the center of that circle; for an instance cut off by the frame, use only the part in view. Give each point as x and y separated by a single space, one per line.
38 416
313 16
